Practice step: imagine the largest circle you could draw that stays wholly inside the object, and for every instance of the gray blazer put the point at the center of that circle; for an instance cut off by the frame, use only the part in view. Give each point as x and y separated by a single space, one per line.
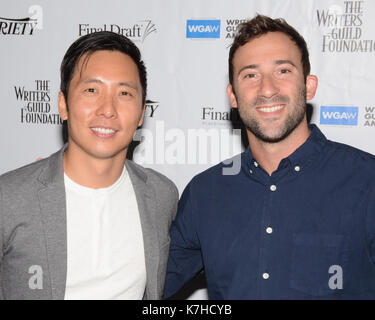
33 227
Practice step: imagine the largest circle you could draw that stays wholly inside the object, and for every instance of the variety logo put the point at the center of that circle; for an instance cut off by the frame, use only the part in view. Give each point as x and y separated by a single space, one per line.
151 107
339 115
24 26
18 27
203 29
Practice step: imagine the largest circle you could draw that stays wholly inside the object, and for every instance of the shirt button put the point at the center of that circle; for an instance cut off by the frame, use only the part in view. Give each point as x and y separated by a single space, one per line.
256 164
273 188
269 230
265 276
297 168
251 171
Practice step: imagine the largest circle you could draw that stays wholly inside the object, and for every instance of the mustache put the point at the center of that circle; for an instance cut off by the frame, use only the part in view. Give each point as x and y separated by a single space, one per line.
264 101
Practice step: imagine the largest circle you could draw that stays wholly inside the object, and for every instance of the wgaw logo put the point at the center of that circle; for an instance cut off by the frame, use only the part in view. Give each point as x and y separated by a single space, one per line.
339 115
203 29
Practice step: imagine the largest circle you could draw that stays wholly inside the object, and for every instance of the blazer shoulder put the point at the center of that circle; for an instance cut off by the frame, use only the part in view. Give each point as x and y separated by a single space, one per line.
155 178
23 175
164 191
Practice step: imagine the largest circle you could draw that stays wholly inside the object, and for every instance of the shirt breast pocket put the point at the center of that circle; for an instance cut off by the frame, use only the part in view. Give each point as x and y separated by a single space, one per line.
315 259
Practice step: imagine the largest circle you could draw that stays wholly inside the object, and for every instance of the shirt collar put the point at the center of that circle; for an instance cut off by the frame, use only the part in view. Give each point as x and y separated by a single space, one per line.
310 148
307 152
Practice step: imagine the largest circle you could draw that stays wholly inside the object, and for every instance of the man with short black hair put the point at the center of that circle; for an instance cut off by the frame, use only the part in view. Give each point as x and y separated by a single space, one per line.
298 220
86 223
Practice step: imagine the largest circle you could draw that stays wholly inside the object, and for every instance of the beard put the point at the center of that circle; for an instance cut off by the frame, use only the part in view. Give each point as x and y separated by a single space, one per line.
295 117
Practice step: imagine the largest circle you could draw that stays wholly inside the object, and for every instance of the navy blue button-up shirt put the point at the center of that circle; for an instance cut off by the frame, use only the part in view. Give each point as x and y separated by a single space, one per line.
305 232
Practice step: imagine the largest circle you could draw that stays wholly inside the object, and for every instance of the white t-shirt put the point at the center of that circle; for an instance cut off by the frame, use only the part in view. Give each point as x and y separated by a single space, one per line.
106 258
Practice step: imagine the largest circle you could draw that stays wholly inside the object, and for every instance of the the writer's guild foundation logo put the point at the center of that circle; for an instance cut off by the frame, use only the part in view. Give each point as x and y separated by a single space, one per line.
35 104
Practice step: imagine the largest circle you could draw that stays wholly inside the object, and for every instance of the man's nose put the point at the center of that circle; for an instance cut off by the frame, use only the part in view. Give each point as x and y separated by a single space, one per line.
107 107
268 86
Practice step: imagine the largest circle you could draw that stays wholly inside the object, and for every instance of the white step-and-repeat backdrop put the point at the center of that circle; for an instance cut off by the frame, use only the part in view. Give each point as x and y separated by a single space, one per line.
189 125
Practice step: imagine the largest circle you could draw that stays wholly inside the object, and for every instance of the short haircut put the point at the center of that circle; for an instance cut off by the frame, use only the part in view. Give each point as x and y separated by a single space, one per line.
261 25
102 40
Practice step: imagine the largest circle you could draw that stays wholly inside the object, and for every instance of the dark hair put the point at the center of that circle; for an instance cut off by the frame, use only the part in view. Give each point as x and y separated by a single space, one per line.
261 25
102 40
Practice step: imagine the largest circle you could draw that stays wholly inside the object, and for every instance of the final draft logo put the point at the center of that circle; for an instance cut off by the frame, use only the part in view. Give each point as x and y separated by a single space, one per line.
36 108
342 26
211 116
137 32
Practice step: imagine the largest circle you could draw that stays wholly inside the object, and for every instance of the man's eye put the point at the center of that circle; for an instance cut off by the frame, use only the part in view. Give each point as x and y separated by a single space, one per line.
284 71
90 90
125 93
250 75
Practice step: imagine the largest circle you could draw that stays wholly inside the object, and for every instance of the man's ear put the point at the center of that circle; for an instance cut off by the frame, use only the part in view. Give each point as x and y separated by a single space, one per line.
311 86
63 106
231 96
142 116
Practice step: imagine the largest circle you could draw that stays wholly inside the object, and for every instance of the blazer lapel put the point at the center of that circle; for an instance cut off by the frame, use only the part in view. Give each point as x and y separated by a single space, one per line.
146 205
53 213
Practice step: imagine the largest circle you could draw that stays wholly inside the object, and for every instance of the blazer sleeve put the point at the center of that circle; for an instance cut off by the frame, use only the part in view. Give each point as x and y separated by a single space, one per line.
185 259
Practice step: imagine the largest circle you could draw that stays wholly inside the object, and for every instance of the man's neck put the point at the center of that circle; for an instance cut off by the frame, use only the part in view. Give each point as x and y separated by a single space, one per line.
269 155
92 172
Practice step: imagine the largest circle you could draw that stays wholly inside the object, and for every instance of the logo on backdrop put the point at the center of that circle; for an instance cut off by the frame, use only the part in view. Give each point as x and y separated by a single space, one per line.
342 25
369 117
36 107
23 26
231 27
203 29
17 27
151 107
339 115
211 116
137 32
